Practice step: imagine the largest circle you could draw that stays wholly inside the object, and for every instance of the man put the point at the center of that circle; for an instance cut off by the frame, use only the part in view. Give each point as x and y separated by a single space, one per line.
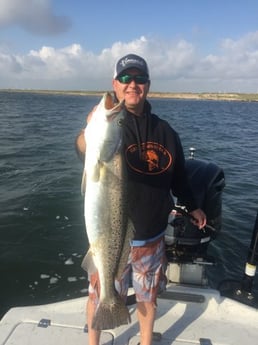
156 167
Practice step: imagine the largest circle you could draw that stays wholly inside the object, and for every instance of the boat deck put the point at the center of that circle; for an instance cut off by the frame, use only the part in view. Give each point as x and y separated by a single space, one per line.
185 316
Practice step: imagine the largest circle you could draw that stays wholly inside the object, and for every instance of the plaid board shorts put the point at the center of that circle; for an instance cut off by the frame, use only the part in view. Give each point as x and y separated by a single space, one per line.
145 270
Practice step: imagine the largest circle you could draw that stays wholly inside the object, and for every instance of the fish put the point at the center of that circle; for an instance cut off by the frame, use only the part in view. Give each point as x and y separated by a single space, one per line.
108 227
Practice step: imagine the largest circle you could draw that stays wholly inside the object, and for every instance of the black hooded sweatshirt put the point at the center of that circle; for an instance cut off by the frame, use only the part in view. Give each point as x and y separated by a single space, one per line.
156 168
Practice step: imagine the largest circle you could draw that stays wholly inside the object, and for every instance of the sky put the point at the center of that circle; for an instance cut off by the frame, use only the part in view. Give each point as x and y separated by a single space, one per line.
189 45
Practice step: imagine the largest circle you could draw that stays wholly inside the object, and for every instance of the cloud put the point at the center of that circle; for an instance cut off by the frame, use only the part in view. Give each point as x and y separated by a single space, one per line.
237 59
32 15
175 66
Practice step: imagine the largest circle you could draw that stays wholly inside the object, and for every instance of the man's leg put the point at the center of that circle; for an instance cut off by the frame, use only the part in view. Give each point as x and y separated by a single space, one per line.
146 316
94 289
149 265
94 336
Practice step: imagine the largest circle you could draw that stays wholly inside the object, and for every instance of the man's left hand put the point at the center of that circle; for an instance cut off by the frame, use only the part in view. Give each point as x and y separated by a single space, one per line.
198 218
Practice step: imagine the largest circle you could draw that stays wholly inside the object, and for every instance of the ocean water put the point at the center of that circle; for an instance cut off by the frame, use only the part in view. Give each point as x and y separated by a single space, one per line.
42 232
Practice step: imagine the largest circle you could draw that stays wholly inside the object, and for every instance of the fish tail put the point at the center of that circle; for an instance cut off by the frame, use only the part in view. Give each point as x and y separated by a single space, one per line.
111 315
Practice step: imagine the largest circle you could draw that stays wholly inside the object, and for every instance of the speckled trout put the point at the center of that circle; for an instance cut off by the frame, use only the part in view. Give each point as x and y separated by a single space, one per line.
107 225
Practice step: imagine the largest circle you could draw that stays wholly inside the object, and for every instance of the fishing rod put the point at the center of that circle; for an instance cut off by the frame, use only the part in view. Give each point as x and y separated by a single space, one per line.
242 291
250 266
184 212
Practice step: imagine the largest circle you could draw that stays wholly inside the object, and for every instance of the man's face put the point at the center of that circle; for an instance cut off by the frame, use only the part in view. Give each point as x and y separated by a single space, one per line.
133 92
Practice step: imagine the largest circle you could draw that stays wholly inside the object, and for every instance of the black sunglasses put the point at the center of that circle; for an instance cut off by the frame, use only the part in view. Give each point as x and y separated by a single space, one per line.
127 78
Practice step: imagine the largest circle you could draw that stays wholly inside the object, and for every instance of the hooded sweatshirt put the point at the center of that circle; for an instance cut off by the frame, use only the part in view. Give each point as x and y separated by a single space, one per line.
156 168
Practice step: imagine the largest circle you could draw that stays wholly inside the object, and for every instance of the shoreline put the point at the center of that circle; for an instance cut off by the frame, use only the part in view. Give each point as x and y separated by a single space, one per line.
231 96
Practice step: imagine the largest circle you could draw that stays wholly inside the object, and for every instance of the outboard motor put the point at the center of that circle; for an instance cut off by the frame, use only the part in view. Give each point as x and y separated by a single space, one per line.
185 242
207 182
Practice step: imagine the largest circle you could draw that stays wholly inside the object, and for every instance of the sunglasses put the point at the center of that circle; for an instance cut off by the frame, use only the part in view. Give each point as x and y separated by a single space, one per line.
127 78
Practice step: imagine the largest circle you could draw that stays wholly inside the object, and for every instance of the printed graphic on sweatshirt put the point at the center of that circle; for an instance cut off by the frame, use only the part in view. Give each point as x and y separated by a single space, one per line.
153 159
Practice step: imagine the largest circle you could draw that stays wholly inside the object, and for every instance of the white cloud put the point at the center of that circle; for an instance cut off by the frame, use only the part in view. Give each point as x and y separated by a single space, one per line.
174 66
238 59
35 16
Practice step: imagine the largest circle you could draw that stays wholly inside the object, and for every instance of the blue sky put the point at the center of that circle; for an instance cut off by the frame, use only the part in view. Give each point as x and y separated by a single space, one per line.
190 45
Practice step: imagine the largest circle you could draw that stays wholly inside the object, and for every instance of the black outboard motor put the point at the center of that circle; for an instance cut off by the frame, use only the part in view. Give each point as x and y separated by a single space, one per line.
186 244
207 181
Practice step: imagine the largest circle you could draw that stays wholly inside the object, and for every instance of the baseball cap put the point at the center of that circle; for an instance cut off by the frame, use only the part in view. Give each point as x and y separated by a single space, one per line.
131 61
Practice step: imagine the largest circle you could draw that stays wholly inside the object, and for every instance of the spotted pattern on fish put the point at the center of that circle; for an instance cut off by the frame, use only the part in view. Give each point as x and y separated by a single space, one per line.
108 228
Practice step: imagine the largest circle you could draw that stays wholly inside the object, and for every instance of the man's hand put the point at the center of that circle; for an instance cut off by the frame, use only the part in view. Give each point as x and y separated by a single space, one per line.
198 218
80 144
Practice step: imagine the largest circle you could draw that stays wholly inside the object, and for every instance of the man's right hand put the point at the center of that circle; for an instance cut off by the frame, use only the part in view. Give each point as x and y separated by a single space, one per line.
80 143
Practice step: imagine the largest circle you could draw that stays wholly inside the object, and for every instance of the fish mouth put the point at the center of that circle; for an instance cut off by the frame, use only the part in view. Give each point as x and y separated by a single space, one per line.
109 103
112 108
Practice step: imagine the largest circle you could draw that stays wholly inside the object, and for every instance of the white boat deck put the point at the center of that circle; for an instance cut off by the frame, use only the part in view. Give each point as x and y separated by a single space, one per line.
185 316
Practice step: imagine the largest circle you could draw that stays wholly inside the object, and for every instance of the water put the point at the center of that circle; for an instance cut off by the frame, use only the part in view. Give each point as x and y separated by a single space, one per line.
42 234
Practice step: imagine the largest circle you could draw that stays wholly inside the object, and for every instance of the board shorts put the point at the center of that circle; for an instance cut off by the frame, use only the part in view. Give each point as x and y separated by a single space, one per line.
145 272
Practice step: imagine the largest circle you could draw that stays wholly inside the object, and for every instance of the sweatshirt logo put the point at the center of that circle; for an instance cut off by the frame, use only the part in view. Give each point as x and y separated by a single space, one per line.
153 159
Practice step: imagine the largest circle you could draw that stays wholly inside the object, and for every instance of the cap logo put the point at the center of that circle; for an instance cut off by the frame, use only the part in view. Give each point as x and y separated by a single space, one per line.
127 61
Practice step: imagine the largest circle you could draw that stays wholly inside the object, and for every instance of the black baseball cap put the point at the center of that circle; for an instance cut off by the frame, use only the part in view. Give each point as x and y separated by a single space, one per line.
131 61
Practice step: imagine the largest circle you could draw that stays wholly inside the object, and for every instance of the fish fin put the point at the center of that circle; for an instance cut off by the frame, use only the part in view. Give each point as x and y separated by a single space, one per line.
88 263
93 171
111 314
95 174
125 250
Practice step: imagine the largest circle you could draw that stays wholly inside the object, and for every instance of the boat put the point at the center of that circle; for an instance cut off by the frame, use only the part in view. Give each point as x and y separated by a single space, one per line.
189 311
